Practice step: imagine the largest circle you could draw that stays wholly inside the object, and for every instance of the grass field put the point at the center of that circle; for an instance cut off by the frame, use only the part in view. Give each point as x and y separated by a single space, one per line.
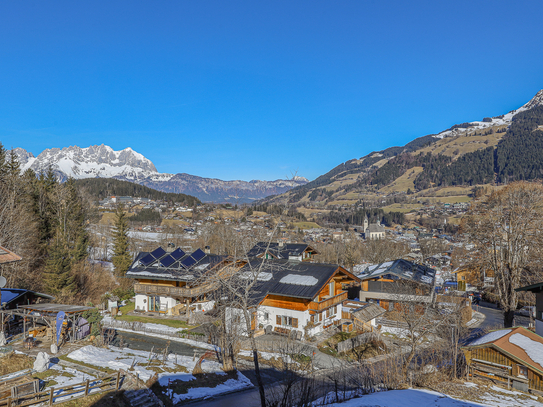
401 207
448 199
403 183
173 323
306 225
463 144
108 218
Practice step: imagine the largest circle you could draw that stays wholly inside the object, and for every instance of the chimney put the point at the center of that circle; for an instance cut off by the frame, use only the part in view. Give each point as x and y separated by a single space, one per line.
207 250
281 244
170 248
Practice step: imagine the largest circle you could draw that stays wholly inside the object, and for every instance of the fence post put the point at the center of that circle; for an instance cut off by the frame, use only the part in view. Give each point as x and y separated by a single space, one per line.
9 402
118 380
87 388
51 396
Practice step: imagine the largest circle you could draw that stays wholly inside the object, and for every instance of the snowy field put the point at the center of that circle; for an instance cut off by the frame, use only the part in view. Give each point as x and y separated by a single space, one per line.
169 369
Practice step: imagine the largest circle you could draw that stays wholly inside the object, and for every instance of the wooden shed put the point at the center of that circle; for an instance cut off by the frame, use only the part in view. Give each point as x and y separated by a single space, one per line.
513 356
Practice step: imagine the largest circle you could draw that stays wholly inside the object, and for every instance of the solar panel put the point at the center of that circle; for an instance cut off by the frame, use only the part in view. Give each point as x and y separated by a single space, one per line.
198 255
146 260
167 261
189 261
177 253
158 253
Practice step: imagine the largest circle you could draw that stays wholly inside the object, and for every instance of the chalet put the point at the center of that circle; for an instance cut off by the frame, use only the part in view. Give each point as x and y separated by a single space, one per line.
513 356
170 281
297 296
280 251
537 289
381 283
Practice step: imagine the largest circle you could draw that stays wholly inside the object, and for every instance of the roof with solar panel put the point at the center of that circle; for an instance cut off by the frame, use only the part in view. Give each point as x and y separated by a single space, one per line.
174 265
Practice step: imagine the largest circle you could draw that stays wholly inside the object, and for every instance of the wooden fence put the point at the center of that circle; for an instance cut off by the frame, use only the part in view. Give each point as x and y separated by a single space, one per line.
56 395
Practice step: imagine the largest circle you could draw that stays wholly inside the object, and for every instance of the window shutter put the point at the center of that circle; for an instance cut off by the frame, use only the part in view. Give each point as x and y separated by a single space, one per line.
295 322
278 320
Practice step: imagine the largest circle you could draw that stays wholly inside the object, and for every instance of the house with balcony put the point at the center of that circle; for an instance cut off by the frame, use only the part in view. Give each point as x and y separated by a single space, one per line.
296 297
172 281
281 251
396 281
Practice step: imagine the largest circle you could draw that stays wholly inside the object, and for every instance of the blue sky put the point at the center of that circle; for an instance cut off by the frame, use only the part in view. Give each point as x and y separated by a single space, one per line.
259 90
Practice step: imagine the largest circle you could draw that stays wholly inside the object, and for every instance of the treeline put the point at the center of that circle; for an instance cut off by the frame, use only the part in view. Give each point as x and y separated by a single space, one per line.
519 154
147 216
44 221
356 217
101 188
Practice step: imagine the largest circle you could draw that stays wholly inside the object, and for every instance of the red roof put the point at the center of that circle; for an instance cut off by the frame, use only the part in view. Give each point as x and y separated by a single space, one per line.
7 256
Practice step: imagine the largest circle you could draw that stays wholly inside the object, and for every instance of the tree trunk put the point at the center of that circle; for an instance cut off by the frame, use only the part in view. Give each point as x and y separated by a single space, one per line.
259 378
508 317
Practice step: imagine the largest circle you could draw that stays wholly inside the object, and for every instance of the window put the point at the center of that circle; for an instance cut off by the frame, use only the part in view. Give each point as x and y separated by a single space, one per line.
522 371
266 316
331 288
330 312
284 320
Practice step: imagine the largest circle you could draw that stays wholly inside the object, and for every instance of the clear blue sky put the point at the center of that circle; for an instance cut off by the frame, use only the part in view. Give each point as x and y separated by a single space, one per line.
257 90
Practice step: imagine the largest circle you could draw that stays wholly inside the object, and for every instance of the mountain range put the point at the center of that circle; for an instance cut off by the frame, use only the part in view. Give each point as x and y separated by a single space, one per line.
128 165
493 150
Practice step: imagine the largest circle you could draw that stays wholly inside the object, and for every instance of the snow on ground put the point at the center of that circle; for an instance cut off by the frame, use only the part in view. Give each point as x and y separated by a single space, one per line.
267 355
190 342
157 328
493 396
399 333
145 364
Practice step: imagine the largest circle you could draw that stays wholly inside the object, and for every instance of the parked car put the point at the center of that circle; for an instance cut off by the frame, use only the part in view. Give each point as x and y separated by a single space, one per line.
527 311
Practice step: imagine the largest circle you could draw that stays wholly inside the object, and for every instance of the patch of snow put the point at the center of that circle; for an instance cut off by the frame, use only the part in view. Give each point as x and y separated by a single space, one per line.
490 337
262 276
298 279
533 348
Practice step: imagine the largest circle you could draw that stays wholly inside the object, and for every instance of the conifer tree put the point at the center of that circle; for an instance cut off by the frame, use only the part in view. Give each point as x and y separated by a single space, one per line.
121 256
57 277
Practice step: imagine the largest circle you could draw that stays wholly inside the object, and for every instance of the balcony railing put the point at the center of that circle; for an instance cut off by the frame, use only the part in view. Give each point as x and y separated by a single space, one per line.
173 291
327 303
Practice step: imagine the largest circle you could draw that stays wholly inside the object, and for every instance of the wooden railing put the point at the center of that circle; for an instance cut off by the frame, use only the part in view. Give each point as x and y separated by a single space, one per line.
58 394
327 303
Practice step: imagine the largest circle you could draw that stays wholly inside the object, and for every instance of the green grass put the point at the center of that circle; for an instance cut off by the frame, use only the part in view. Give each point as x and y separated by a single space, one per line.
101 368
306 225
173 323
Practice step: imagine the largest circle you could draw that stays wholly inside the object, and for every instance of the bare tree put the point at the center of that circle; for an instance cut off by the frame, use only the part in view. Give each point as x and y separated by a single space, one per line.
506 228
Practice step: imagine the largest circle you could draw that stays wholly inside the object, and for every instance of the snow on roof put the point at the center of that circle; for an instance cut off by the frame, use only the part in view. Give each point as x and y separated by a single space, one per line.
261 276
299 280
490 337
532 348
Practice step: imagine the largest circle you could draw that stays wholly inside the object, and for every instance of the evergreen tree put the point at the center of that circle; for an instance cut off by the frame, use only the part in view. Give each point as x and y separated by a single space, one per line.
121 256
57 277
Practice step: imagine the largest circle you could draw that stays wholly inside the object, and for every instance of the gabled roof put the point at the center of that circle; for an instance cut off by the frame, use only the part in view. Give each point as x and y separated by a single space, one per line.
7 256
159 264
280 252
400 269
363 311
519 343
290 279
535 288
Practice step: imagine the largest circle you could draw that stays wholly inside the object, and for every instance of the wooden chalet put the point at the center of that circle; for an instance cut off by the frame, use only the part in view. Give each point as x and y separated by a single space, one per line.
296 296
513 356
282 251
381 283
537 289
174 281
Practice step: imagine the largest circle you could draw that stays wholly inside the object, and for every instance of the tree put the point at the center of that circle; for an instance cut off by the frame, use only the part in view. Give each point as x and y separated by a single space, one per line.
121 256
506 228
58 278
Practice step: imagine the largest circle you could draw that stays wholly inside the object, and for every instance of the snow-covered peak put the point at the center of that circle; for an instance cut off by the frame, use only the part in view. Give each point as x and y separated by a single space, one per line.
537 100
297 178
91 162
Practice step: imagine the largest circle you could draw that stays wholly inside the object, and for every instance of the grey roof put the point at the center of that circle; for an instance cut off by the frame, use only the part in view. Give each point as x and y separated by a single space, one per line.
291 279
176 271
375 228
368 312
68 309
400 269
279 252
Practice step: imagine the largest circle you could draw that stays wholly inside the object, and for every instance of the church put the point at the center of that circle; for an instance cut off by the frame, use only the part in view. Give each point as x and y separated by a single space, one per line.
373 230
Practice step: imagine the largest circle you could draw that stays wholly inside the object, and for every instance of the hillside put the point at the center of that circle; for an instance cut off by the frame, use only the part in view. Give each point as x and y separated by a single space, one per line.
494 150
100 188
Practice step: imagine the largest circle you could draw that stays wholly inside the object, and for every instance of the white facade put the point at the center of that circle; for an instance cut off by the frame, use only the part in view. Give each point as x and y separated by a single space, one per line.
165 303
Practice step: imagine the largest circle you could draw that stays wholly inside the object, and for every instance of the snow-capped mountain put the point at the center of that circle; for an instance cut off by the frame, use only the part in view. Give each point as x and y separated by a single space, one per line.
128 165
537 100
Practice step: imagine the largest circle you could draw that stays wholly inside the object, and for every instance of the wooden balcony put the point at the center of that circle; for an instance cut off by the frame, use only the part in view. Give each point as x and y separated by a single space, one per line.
184 292
327 303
